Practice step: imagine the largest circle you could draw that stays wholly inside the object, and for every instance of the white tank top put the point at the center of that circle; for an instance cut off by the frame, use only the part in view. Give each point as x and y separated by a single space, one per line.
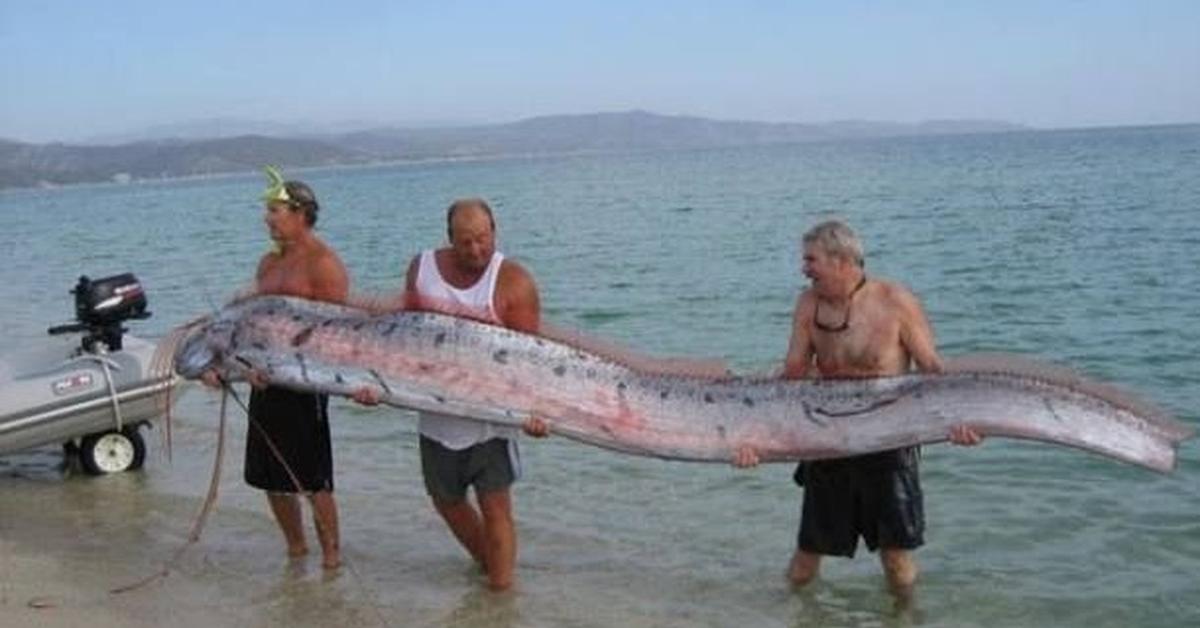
478 300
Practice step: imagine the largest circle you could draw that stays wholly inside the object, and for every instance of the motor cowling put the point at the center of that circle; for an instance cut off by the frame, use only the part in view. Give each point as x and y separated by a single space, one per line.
101 305
110 300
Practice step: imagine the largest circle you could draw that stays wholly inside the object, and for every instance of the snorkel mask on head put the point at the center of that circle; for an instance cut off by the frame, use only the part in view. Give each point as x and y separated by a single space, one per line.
276 191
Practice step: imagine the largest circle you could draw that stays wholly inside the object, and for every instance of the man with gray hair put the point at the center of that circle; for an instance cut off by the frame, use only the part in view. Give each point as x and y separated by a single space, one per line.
848 325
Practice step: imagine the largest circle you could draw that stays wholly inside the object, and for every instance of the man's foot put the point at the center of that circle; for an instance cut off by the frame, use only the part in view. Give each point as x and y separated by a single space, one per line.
903 596
499 585
331 562
297 551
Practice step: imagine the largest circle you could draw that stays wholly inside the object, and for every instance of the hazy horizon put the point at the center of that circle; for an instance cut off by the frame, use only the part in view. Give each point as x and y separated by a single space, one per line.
75 73
206 127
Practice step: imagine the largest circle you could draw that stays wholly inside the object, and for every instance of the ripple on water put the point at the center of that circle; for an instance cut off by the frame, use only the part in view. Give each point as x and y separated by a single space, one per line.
1036 243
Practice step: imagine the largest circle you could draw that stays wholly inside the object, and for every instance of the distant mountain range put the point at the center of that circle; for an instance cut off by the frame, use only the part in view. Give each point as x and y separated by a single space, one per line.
26 165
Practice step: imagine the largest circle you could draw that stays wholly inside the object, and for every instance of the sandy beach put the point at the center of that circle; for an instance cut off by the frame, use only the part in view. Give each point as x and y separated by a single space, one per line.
67 541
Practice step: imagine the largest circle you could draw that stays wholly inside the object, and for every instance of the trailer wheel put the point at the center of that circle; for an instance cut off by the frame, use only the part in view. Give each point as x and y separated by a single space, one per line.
113 451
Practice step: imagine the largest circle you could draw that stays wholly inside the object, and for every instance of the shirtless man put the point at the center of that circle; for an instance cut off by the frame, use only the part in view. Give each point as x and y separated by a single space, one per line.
470 278
284 424
849 325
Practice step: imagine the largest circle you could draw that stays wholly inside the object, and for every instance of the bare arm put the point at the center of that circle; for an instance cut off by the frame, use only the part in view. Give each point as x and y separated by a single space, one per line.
915 333
264 264
410 297
517 302
917 337
800 348
210 378
330 282
519 307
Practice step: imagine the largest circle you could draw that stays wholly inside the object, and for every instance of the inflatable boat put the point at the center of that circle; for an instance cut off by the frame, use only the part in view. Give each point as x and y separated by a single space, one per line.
92 393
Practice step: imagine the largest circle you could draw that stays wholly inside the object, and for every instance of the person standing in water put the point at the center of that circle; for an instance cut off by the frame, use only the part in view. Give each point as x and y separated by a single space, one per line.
848 325
471 278
288 448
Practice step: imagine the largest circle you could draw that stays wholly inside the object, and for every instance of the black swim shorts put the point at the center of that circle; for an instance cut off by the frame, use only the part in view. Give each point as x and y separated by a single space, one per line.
488 466
288 431
875 496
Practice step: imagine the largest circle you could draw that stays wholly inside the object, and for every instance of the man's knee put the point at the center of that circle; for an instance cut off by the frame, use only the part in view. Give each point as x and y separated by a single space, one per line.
900 568
496 505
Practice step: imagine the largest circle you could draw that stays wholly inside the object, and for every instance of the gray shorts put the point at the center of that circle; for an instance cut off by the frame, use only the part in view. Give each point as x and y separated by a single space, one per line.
488 466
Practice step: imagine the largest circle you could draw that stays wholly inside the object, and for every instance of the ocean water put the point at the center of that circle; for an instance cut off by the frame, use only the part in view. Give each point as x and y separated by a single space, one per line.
1077 247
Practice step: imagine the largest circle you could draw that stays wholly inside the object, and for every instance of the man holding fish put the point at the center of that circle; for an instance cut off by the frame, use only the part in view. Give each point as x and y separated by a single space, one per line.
470 278
847 325
288 448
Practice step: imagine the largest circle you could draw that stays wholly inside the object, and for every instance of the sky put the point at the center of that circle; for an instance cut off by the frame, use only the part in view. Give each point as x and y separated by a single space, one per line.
73 70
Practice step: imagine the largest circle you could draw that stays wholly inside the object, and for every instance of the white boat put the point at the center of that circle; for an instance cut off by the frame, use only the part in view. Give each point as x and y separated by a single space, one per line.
94 396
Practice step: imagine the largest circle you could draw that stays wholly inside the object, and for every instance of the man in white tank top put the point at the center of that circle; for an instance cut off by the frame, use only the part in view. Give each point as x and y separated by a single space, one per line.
469 278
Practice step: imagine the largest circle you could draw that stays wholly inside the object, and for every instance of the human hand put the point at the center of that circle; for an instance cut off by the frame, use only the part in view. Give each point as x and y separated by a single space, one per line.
211 379
536 427
257 379
367 396
963 434
745 457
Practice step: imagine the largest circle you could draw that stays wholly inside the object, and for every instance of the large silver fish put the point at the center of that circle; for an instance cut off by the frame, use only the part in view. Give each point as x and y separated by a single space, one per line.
433 362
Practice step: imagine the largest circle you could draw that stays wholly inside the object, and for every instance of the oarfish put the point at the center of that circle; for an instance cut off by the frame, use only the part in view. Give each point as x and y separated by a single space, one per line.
433 362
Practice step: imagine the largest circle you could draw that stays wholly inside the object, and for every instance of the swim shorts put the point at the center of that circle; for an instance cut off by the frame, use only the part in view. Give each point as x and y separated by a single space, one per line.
488 466
297 425
876 496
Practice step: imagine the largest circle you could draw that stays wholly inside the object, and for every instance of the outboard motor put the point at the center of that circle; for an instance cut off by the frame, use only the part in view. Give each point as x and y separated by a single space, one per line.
101 306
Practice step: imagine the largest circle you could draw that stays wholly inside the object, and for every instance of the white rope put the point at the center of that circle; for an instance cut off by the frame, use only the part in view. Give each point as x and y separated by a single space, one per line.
105 364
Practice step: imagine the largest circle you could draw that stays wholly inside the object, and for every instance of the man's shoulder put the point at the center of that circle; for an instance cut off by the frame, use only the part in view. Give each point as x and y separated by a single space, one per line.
510 266
803 312
897 295
270 257
514 281
323 257
326 252
439 255
891 289
807 299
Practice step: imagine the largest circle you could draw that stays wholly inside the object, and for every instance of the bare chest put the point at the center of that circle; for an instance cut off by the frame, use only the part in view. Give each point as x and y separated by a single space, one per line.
870 345
286 276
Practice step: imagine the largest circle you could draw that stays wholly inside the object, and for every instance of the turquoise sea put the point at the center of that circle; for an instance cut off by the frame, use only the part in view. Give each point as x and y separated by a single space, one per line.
1080 247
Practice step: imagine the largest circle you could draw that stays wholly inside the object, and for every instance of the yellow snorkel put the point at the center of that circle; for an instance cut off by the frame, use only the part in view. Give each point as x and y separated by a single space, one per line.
276 187
276 192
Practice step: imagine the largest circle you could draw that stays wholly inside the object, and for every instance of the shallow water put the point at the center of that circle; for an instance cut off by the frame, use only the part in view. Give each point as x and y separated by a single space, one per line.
1079 247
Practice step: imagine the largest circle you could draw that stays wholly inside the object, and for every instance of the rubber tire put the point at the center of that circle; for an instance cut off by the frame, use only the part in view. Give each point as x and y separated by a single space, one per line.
113 451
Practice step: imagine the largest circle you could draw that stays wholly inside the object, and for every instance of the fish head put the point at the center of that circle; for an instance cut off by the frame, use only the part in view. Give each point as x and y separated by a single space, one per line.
205 349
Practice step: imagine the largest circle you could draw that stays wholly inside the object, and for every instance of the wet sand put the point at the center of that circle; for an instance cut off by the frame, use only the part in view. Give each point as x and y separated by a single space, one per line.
605 540
68 540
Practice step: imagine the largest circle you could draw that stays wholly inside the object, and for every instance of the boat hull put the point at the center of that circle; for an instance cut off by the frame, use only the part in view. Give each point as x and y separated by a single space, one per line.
48 396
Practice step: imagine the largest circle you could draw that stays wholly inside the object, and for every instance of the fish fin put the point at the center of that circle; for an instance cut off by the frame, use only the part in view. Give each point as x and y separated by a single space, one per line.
640 362
376 303
1054 374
